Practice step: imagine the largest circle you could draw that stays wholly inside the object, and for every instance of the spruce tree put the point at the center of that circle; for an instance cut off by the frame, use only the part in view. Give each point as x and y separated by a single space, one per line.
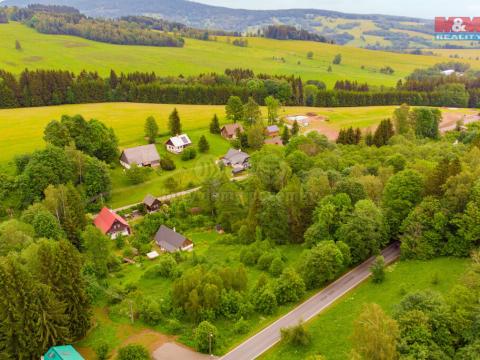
285 135
215 125
174 123
151 129
31 318
203 145
383 133
295 128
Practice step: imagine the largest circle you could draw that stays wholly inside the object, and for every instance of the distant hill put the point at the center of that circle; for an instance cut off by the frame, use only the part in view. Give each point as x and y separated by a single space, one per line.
372 31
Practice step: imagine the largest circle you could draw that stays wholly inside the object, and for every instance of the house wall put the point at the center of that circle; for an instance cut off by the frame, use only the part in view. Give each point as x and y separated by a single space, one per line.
174 149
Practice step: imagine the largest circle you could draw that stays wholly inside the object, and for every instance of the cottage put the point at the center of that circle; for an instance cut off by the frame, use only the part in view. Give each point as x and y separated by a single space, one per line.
178 143
272 131
237 159
230 131
111 224
151 203
277 140
171 241
66 352
146 155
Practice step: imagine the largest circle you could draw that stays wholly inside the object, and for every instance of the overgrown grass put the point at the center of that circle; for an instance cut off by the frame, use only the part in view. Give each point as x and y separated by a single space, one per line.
262 55
332 329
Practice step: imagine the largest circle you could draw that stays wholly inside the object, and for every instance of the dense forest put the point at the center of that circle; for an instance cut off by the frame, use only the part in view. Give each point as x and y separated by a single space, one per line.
52 87
286 32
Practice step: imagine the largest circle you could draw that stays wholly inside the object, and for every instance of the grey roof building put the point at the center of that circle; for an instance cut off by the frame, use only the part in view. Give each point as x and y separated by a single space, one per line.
171 241
236 157
145 155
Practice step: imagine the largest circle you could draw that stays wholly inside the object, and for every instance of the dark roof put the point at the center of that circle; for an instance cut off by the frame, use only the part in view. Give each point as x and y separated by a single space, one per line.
235 157
169 240
272 128
105 219
141 154
150 200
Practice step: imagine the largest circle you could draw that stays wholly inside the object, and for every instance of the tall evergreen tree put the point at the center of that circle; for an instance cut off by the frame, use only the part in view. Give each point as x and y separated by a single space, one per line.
174 123
203 145
285 135
215 125
31 318
383 133
295 128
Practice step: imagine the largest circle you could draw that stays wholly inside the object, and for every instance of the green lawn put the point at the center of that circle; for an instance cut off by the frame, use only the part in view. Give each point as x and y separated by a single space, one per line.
332 329
262 55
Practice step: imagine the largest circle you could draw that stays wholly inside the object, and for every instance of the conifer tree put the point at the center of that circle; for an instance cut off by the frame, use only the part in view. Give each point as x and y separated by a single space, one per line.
174 123
31 317
203 145
215 125
285 135
383 133
295 128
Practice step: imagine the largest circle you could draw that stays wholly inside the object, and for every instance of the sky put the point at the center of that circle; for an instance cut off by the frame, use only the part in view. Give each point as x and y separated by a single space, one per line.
416 8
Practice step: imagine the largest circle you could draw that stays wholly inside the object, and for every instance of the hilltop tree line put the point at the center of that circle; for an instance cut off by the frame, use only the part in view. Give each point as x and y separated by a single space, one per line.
288 32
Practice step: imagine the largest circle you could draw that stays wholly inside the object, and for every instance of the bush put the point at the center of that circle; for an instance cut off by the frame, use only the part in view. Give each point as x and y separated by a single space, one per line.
137 174
189 154
241 326
150 312
205 337
133 352
266 302
276 267
296 335
265 261
167 164
167 266
102 351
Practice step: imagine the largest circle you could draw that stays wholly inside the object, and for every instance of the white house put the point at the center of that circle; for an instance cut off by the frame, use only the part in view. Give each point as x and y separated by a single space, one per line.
178 143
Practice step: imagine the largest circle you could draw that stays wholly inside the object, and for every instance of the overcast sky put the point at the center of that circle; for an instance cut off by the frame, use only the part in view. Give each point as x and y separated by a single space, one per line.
415 8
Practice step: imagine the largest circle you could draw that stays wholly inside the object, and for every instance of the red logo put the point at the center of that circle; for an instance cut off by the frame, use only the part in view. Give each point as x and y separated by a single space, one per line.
457 25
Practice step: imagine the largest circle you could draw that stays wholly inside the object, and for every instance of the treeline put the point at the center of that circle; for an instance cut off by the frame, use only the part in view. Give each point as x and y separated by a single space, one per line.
3 17
49 20
287 32
55 87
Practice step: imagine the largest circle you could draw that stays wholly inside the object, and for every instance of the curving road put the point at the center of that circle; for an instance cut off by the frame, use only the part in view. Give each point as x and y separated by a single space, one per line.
264 340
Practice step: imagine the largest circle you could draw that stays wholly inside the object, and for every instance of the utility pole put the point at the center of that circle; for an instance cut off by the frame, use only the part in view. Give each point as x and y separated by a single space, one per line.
210 343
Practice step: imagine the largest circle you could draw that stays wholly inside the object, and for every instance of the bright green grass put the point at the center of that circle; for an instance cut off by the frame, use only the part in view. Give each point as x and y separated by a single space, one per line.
332 329
75 54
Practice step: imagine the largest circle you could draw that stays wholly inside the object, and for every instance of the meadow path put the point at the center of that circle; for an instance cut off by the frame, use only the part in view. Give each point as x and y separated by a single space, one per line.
268 337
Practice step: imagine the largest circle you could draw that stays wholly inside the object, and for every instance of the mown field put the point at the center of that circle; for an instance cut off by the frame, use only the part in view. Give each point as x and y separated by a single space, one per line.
262 55
331 330
21 131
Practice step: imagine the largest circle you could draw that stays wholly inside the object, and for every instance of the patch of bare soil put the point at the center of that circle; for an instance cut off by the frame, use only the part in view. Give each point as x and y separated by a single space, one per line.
172 350
450 120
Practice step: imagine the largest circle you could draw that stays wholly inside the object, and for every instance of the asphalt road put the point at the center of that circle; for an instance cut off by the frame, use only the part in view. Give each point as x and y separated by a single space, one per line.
264 340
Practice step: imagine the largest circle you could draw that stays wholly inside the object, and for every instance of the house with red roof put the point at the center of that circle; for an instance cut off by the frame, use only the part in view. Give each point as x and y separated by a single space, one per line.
111 224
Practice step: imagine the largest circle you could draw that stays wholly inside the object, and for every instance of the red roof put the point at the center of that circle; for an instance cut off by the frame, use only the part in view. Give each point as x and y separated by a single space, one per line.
105 219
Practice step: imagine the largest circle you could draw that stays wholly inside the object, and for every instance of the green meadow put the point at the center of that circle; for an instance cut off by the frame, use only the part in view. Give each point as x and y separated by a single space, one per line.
331 330
262 55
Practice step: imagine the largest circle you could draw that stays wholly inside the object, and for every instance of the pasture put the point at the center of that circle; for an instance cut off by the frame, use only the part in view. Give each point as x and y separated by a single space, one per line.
262 55
331 330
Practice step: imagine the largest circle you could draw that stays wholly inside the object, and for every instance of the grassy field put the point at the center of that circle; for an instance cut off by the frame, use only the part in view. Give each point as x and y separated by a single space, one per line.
332 329
117 330
262 55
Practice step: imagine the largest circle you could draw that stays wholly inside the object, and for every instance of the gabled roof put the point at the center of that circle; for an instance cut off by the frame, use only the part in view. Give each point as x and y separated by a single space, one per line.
272 128
231 129
235 156
106 218
66 352
170 240
180 140
150 200
277 140
141 154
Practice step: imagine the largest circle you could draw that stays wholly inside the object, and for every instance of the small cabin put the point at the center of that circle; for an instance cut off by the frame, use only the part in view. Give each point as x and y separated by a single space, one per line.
151 203
177 144
171 241
66 352
230 131
272 131
111 224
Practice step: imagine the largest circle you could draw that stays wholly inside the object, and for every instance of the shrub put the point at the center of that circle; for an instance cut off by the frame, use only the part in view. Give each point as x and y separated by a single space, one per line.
167 164
378 270
150 312
137 174
296 335
102 351
189 154
241 326
265 261
133 352
276 267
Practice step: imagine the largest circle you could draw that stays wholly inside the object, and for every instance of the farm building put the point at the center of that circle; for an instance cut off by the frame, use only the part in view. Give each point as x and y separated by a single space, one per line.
145 155
151 203
177 144
230 131
66 352
111 224
272 131
171 241
300 119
